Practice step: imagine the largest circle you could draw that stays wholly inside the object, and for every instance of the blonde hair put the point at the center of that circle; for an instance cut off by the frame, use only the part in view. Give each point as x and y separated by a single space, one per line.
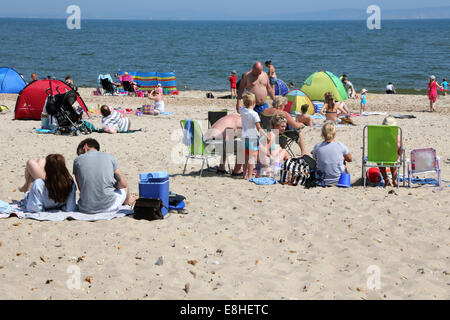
329 99
389 121
329 130
249 99
277 119
279 102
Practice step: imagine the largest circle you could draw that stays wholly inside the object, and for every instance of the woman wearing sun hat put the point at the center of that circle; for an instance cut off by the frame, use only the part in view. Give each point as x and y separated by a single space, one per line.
432 92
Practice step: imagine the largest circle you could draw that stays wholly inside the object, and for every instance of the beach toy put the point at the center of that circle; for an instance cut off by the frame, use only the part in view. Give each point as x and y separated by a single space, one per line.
374 175
139 113
155 185
344 181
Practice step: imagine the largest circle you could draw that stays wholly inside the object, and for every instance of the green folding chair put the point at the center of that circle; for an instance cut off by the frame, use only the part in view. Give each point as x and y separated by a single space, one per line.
380 148
199 149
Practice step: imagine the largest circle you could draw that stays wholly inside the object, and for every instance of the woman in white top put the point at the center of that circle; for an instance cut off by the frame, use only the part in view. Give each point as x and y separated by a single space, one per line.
56 191
158 98
390 88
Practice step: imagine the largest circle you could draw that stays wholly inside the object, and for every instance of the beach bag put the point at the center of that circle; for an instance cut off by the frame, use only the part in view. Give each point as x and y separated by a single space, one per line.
148 209
209 95
298 171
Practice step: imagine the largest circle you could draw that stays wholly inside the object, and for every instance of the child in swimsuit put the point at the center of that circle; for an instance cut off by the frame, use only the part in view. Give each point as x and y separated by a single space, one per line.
363 101
233 87
304 117
444 86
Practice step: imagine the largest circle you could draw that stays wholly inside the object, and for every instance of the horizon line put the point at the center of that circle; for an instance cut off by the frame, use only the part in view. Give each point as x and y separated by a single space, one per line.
223 20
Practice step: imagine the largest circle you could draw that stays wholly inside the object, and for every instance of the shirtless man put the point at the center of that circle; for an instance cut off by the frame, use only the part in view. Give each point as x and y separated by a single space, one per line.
257 82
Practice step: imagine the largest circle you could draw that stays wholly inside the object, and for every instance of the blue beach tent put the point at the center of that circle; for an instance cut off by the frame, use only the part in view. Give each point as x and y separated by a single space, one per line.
11 81
281 89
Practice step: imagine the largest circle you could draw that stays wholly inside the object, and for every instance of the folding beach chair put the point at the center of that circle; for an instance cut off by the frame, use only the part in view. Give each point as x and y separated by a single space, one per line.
198 148
381 149
286 139
213 116
424 161
107 86
128 86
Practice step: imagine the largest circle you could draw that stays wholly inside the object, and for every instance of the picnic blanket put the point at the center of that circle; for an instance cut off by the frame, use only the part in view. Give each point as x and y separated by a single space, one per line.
421 181
59 215
263 181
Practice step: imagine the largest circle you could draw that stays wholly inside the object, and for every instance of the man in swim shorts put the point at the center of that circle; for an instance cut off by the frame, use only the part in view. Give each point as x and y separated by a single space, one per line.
257 82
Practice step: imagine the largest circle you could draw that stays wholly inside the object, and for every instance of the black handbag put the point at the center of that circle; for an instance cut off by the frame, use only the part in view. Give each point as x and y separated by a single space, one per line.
148 209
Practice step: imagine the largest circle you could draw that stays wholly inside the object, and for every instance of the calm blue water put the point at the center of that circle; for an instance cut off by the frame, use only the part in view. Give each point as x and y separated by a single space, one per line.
203 53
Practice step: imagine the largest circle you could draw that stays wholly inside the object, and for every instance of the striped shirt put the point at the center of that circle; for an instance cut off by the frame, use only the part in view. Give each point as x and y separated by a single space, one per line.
115 120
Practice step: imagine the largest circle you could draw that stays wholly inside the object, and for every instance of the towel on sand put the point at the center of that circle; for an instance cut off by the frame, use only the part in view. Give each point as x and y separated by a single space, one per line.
59 215
263 181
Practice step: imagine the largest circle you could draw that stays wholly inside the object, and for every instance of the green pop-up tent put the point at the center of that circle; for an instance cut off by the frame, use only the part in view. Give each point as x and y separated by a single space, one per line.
320 82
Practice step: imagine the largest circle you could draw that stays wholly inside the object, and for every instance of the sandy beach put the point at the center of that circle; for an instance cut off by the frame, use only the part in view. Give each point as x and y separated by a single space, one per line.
238 240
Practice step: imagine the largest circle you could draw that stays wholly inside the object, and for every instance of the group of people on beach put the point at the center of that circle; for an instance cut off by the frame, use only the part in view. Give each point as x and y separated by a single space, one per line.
49 185
260 146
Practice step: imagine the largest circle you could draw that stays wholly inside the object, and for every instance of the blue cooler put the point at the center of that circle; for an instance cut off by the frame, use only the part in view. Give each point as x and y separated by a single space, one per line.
155 185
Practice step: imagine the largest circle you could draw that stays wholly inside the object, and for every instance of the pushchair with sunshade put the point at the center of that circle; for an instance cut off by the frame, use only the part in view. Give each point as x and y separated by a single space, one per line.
60 107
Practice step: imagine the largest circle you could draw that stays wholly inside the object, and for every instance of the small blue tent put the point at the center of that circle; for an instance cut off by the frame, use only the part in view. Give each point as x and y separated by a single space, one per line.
11 81
281 89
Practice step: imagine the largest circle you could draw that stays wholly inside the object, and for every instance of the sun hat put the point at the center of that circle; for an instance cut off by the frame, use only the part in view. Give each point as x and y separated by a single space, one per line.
364 91
159 84
234 72
433 77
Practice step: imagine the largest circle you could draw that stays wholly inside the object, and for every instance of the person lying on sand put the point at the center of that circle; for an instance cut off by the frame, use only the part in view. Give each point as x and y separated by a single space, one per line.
113 121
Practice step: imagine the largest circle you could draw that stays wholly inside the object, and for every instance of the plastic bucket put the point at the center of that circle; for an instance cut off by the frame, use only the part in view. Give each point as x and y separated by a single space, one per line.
344 180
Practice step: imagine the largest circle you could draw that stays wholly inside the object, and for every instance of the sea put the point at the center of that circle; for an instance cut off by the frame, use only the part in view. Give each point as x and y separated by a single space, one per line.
203 53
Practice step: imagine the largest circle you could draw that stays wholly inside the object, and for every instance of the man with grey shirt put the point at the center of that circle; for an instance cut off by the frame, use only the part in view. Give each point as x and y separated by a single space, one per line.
102 185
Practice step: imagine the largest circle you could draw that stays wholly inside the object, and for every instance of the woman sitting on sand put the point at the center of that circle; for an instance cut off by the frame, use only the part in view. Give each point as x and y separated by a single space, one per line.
274 154
331 109
331 155
56 190
159 103
278 105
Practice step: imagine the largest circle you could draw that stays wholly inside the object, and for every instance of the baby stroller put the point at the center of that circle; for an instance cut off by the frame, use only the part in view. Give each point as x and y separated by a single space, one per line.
68 120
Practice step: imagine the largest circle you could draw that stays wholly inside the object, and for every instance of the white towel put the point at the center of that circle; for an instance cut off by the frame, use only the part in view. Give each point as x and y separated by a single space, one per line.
59 215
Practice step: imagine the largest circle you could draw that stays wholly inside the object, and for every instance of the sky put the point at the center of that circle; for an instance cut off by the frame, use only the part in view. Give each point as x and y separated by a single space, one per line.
204 9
